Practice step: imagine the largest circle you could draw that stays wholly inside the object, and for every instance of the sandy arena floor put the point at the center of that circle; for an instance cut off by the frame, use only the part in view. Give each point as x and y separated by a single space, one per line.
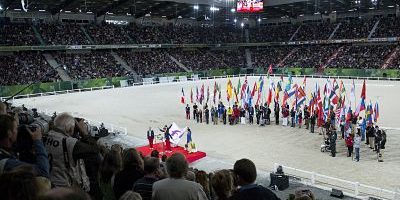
137 108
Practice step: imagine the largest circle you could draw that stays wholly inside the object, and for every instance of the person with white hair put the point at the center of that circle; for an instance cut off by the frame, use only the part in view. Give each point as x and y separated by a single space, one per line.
66 152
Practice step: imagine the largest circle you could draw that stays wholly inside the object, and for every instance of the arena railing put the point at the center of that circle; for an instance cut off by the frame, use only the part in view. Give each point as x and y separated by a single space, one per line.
349 188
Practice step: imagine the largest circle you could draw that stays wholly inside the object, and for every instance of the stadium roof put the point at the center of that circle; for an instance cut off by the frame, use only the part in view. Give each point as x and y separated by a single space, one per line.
185 8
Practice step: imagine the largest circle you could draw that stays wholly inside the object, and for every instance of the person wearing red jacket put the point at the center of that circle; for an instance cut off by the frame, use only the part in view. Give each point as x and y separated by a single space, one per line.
349 144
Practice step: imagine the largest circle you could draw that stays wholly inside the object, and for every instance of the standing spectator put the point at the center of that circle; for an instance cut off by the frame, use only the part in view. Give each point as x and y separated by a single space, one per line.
357 144
222 183
68 167
176 187
300 117
187 111
202 179
131 172
22 183
349 144
194 111
246 174
112 163
8 137
312 122
144 186
150 137
276 109
293 117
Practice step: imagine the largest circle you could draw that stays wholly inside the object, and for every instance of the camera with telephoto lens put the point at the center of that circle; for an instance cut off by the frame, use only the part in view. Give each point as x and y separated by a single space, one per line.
93 131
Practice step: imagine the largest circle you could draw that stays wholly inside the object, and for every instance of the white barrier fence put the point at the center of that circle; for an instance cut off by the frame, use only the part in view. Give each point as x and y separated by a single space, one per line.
353 189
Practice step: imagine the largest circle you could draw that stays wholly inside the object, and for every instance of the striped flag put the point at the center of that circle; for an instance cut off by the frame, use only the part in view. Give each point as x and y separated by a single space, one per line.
183 97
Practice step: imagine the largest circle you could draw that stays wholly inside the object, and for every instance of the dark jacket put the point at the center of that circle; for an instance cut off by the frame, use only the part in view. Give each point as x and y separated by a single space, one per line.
254 192
125 179
42 163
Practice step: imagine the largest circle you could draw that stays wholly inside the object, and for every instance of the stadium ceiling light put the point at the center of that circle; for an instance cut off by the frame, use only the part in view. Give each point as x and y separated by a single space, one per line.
242 24
42 10
212 8
235 20
371 8
390 6
301 15
1 8
233 10
259 19
89 12
196 7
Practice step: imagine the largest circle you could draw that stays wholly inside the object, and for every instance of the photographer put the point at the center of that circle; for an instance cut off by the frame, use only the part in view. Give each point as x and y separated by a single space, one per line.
67 153
8 137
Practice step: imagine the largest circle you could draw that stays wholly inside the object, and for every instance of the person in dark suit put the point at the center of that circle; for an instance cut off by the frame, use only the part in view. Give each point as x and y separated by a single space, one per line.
150 137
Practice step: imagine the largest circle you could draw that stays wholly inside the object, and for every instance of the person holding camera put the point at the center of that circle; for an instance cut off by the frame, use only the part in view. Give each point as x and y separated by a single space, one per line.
67 153
8 137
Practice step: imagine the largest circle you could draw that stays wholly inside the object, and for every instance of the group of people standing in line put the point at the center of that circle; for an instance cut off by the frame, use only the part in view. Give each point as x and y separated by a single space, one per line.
351 131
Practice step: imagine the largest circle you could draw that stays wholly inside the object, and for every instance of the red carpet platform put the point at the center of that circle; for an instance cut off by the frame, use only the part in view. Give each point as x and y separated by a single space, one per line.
159 147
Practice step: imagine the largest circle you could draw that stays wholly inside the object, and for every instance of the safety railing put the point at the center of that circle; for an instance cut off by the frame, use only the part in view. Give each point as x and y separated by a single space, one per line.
353 189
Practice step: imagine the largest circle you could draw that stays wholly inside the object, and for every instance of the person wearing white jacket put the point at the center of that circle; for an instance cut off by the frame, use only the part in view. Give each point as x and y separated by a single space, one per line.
357 144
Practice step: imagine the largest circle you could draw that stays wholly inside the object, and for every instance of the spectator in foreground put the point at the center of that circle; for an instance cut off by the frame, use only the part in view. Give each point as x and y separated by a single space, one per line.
176 187
129 195
8 137
246 174
144 186
131 172
68 167
3 108
222 183
202 179
22 183
111 164
62 193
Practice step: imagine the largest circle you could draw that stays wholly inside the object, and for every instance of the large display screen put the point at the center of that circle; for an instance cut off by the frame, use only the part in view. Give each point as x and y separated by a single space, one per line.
250 5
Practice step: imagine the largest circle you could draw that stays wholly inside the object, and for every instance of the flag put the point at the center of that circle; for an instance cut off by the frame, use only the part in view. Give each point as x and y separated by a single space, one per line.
353 93
363 91
202 94
360 107
183 97
208 93
333 98
285 98
349 115
239 86
243 90
236 90
376 111
269 71
269 99
191 95
292 91
260 89
335 86
289 84
304 82
197 94
229 90
215 90
254 90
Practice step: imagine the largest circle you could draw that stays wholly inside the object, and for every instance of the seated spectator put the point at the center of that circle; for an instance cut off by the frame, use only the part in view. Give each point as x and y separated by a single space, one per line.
222 183
144 186
246 174
8 137
62 193
303 194
132 171
68 153
22 183
176 187
112 163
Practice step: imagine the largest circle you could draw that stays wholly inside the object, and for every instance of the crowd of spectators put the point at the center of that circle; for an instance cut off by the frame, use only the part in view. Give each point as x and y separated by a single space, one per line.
17 35
95 64
312 56
362 57
149 62
108 34
388 27
272 33
355 28
199 60
315 31
25 68
263 57
63 34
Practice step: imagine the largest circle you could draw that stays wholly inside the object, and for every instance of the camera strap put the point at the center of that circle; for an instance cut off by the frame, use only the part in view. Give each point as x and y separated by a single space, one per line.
65 153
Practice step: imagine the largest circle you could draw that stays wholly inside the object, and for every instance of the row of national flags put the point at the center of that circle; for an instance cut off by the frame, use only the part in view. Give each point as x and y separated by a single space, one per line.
331 98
